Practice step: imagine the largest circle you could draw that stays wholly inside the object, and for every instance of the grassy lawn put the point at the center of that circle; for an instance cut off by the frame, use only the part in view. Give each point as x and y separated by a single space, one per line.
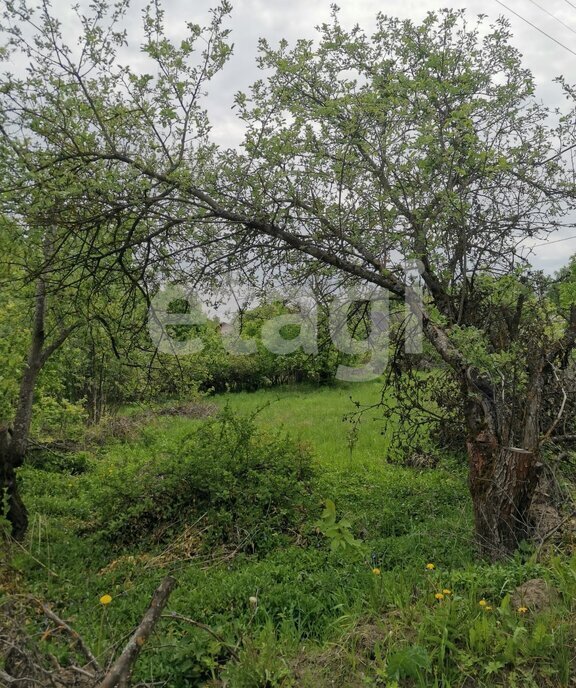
323 418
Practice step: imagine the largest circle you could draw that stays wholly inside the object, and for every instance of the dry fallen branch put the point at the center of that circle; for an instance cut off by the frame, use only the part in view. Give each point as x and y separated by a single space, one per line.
30 670
120 671
75 636
8 680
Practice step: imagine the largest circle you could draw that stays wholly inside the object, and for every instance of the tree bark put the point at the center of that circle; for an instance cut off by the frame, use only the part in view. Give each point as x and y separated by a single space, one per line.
502 484
11 502
120 672
502 478
14 442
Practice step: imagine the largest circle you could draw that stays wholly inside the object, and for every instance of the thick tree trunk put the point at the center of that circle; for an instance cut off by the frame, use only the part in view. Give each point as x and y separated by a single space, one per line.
502 484
14 443
11 501
503 478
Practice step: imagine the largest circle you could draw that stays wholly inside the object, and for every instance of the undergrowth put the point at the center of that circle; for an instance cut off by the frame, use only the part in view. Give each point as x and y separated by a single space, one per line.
231 505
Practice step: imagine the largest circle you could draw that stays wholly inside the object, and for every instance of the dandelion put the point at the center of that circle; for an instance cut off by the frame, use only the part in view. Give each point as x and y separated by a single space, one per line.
253 601
446 591
376 571
104 601
487 608
430 567
522 610
483 603
439 596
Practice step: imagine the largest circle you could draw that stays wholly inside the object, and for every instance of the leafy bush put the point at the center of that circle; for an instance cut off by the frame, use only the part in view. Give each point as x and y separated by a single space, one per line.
74 463
189 660
241 485
338 532
58 418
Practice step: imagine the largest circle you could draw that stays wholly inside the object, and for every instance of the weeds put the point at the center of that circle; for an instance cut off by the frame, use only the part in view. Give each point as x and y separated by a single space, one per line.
296 609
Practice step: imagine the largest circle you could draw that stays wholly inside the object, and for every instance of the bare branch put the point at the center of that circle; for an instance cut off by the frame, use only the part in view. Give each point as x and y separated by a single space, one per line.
122 667
74 634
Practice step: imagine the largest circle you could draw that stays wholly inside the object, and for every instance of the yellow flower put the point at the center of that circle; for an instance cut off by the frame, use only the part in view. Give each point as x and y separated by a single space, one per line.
105 599
487 608
439 596
446 591
376 571
483 603
522 610
430 567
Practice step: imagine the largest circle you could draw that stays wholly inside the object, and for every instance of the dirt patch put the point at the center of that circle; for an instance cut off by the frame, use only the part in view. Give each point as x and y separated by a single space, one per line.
326 668
536 594
350 662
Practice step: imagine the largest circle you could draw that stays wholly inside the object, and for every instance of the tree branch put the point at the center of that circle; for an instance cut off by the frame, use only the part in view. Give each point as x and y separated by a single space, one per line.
122 667
57 343
74 634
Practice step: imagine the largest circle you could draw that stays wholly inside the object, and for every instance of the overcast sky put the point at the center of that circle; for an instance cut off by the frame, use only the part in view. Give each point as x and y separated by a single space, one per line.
276 19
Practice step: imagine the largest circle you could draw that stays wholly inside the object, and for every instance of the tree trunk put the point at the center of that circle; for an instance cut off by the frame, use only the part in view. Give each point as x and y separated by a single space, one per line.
14 443
502 484
503 478
11 501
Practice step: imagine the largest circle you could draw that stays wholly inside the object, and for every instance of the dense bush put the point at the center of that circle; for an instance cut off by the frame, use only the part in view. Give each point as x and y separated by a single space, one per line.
215 369
59 461
239 485
59 418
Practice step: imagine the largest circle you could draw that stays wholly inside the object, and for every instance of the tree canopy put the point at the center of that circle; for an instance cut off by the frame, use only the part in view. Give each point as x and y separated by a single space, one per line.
418 142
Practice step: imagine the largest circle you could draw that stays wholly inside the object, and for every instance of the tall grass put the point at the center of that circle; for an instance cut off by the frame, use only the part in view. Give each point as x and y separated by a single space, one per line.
324 417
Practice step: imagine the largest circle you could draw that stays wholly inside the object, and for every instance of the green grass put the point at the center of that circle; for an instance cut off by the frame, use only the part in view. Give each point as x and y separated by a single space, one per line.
323 417
314 607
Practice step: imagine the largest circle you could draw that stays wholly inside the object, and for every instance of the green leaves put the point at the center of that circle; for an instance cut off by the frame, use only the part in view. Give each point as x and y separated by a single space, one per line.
338 532
410 662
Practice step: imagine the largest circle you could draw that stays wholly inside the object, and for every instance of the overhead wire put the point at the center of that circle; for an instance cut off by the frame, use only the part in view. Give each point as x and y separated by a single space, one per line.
556 241
562 45
550 14
534 26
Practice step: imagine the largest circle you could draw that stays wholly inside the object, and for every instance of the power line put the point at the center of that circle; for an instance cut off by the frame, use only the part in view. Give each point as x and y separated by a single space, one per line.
537 28
552 15
556 241
569 3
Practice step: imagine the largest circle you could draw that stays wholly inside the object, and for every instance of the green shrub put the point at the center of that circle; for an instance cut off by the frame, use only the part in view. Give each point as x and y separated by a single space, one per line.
73 463
58 418
240 485
189 659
